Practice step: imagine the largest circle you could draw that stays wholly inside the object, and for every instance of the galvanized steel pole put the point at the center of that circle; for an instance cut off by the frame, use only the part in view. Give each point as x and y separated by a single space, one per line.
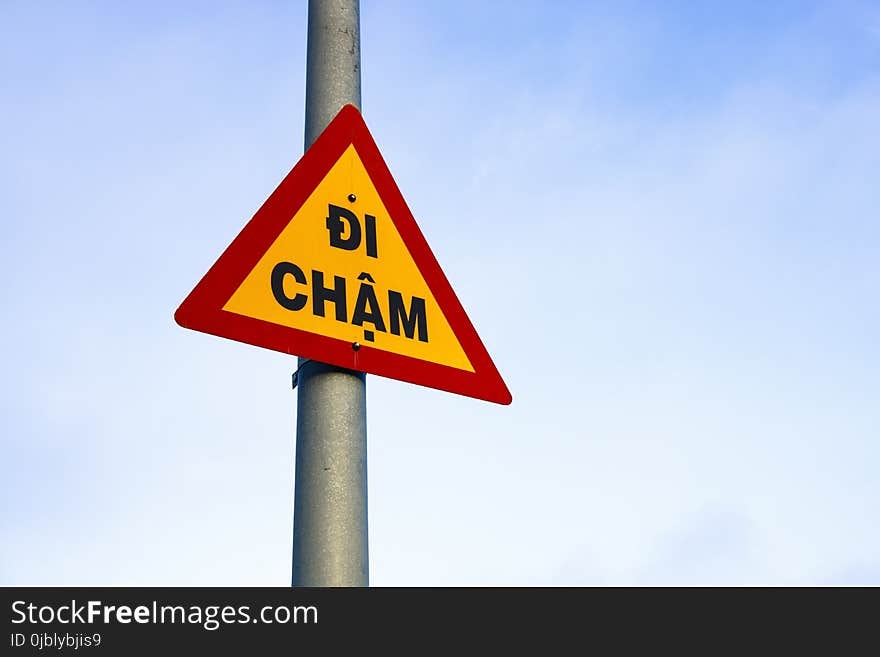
330 498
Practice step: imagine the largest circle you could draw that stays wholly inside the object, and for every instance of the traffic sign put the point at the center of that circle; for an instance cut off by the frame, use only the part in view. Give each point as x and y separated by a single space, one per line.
333 267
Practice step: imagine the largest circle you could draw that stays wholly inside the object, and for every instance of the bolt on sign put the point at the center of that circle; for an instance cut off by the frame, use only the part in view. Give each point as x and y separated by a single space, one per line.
333 267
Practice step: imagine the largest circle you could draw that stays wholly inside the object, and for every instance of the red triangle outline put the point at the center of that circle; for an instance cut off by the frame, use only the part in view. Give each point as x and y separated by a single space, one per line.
202 310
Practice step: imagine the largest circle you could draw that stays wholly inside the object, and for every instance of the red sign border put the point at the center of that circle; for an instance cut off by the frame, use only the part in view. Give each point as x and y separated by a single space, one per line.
203 310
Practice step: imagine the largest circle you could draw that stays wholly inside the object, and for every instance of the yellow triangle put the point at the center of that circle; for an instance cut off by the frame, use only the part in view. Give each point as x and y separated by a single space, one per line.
369 289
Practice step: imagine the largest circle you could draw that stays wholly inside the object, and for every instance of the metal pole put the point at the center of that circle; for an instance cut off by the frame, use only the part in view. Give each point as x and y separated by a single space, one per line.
330 498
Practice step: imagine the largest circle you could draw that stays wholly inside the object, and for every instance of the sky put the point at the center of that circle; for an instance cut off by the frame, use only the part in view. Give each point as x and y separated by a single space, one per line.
661 218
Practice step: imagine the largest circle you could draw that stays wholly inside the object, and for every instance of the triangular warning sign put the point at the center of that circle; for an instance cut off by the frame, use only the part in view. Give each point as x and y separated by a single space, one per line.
333 267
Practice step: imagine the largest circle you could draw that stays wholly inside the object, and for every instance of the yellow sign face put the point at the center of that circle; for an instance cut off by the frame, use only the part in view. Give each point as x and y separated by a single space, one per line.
334 268
341 269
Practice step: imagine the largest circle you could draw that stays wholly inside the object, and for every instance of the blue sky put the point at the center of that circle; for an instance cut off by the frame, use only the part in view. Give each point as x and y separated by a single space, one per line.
661 218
